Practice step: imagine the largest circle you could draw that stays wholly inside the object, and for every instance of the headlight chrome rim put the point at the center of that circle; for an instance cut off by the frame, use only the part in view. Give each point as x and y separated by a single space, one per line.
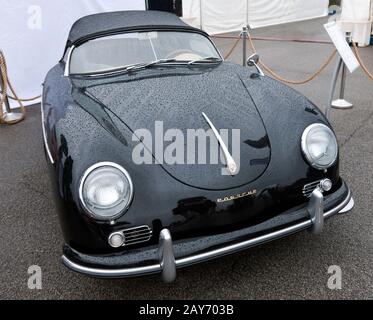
86 174
304 146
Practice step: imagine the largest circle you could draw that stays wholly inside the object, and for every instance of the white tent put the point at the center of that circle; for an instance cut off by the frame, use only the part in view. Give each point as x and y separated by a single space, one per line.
357 18
34 33
218 16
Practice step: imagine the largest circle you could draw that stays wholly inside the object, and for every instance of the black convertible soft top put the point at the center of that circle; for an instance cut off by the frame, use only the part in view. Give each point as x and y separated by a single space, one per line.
101 23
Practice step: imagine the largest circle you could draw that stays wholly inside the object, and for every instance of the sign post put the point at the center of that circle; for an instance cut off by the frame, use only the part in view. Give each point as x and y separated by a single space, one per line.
346 59
341 103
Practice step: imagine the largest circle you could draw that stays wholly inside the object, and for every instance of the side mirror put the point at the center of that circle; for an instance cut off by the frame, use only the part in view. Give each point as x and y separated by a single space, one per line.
253 60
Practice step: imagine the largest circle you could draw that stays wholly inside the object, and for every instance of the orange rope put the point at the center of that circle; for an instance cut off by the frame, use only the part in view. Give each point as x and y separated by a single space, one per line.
358 57
232 49
278 77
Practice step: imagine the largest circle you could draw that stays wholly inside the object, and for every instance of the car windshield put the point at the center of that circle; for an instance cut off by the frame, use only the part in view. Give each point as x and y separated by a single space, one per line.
120 51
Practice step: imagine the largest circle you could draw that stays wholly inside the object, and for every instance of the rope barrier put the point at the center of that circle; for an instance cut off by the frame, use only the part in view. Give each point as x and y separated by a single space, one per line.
295 82
23 99
278 77
281 39
269 70
358 57
232 49
7 84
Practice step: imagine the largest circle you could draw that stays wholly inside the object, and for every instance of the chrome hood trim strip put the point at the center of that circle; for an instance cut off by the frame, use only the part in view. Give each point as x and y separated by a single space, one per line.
231 164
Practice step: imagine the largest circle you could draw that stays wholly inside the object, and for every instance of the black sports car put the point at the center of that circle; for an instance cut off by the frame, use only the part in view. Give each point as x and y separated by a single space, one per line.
125 116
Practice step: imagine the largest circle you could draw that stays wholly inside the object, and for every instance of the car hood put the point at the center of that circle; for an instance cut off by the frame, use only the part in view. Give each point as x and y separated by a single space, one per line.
177 97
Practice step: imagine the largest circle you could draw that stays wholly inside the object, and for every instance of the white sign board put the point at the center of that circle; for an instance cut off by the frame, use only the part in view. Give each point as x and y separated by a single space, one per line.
339 39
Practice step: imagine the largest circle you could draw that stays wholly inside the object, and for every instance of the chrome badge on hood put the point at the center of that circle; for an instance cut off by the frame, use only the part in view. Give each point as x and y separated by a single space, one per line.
237 196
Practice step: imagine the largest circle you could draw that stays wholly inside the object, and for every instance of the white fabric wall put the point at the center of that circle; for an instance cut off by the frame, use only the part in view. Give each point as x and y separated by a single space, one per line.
220 16
356 17
33 34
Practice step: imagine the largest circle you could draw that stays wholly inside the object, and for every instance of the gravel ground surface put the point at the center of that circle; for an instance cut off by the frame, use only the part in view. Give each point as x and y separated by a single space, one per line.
294 267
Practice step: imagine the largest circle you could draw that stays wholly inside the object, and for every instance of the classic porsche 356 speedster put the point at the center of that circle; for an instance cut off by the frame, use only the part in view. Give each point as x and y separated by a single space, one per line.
123 72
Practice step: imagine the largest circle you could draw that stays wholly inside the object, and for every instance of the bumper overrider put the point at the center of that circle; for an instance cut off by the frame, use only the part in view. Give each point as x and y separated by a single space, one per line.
168 255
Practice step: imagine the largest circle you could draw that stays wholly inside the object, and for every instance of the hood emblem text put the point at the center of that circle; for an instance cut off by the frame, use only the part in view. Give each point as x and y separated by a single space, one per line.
237 196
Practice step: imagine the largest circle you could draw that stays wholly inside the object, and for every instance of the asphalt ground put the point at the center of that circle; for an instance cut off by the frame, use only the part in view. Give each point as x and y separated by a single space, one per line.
294 267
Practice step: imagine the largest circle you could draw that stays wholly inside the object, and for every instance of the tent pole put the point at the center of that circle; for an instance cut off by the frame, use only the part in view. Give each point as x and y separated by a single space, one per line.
200 15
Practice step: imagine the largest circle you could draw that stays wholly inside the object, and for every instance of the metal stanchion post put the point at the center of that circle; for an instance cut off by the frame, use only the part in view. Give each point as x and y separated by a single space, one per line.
341 103
2 87
200 15
8 116
332 88
244 46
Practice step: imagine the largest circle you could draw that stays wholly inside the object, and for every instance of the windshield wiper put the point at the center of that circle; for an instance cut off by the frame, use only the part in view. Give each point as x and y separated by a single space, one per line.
206 60
148 64
125 69
144 65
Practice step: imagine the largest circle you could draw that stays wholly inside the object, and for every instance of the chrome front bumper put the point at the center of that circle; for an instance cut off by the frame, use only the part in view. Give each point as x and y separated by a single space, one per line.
168 264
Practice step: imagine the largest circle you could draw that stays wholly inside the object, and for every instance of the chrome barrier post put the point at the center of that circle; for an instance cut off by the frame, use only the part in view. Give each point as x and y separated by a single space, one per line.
8 115
341 103
6 102
200 15
244 35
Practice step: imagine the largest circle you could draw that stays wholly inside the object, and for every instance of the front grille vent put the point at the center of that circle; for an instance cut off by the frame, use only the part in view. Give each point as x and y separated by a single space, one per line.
309 188
137 235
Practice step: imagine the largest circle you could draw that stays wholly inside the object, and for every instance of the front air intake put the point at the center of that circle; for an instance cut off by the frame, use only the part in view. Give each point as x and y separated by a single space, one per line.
309 187
130 236
137 235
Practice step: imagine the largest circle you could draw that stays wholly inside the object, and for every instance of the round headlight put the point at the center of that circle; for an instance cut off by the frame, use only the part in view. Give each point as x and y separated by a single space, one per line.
106 190
319 146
